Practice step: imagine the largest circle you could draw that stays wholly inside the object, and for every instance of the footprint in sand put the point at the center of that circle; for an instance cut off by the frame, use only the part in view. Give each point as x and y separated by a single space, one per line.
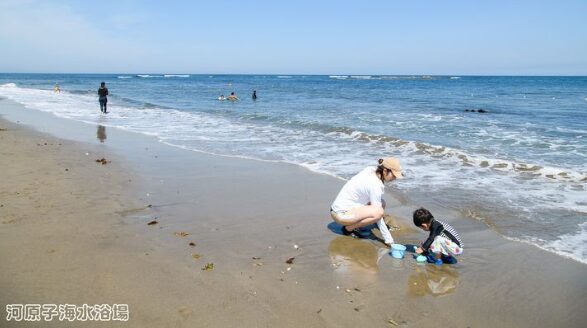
185 312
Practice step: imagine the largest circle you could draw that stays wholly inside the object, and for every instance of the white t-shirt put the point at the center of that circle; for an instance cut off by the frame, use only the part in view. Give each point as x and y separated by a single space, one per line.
360 190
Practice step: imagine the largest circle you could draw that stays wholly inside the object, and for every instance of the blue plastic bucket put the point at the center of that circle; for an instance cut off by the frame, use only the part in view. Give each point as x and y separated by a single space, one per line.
398 250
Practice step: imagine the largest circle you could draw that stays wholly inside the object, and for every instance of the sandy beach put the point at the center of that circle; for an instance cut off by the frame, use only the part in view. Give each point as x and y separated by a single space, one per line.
76 231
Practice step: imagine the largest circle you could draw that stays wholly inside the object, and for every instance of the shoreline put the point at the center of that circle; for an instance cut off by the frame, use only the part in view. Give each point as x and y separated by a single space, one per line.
535 208
236 210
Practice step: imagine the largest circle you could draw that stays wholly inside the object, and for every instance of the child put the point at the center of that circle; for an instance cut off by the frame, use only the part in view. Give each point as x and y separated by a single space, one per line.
443 243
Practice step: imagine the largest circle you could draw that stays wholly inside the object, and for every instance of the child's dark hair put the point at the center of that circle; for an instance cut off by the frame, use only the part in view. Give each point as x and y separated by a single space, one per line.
421 216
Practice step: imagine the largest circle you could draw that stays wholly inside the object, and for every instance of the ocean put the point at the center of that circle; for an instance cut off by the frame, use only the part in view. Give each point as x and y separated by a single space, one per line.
507 151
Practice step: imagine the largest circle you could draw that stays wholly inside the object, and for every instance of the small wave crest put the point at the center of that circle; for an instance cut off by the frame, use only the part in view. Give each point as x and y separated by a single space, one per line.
81 92
141 104
573 245
527 170
176 75
151 105
383 77
569 246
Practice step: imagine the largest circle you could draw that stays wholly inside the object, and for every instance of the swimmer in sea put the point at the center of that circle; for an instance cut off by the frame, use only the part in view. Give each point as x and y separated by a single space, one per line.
232 97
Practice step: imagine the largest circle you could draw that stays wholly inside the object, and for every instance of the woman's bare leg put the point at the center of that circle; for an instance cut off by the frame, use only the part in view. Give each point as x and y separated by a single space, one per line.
364 216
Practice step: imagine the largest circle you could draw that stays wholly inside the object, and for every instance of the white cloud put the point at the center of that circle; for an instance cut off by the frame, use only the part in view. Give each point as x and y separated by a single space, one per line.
52 37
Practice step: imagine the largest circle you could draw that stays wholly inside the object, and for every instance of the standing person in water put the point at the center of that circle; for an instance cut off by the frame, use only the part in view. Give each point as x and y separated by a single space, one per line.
360 201
103 97
254 95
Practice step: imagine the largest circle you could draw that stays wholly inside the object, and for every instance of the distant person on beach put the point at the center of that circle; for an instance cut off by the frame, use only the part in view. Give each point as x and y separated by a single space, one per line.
56 88
443 242
103 97
360 201
254 95
232 97
221 97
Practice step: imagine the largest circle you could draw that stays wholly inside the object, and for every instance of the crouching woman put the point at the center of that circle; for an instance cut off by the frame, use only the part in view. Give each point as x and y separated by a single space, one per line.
360 201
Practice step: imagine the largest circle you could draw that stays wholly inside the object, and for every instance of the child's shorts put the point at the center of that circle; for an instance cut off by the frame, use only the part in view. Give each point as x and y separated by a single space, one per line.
445 246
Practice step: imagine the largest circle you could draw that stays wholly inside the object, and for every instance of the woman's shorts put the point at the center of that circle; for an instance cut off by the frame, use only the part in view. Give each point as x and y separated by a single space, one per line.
342 217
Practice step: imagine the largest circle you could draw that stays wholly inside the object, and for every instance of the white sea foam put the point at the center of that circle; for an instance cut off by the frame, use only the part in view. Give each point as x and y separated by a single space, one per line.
176 75
573 245
124 77
431 117
578 131
284 77
339 77
148 75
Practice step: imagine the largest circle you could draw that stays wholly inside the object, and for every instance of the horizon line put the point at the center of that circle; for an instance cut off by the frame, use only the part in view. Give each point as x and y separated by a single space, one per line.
309 74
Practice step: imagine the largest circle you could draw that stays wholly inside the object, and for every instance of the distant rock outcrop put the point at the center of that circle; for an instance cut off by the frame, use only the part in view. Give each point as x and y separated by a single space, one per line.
476 110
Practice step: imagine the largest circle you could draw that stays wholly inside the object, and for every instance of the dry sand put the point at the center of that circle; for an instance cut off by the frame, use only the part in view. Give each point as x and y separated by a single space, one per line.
75 231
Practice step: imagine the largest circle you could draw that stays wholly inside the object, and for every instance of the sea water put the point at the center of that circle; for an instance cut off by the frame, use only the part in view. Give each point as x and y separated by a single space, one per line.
519 165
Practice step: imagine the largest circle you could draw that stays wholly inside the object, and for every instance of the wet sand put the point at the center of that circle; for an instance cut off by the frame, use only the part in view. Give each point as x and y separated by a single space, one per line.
81 235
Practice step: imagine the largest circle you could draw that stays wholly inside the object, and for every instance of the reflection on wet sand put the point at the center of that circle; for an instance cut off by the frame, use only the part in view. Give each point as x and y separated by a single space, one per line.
101 133
433 280
350 255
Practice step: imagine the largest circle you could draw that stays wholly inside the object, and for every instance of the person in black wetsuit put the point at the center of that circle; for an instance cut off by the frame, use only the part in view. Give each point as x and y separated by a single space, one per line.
254 95
103 97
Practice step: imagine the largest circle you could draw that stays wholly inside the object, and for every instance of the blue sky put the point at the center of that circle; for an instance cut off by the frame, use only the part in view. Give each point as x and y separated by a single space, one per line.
295 37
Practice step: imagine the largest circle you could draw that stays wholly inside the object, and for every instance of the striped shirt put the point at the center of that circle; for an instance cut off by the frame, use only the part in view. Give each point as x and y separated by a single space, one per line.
440 228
